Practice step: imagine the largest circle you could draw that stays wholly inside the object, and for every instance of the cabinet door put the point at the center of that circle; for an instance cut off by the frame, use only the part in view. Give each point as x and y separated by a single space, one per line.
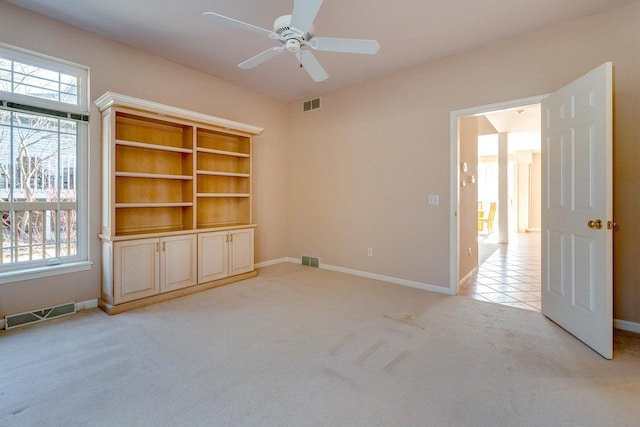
241 251
178 262
213 256
135 269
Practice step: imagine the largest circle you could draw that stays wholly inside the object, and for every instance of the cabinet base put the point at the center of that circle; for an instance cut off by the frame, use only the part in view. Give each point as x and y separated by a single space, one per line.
131 305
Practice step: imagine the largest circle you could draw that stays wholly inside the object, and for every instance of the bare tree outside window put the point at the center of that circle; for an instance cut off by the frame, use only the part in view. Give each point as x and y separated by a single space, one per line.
38 199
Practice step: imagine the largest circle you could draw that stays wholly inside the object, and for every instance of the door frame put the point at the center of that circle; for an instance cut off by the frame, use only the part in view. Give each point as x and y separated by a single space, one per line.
454 224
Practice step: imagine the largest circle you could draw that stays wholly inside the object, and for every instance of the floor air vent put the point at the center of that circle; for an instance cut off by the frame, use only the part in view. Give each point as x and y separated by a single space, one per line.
310 261
312 104
31 317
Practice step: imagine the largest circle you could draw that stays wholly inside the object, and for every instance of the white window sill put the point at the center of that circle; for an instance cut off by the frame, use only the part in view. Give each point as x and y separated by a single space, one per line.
40 272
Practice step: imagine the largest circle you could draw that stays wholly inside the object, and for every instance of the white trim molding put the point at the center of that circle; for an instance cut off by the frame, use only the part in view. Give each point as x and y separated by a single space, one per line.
46 271
85 305
271 262
368 275
468 276
394 280
625 325
111 98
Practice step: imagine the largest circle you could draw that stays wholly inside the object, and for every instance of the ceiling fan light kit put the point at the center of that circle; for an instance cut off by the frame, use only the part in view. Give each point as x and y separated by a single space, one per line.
293 45
296 32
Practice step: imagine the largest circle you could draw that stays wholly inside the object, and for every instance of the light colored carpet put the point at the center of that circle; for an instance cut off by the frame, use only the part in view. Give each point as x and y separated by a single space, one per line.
298 346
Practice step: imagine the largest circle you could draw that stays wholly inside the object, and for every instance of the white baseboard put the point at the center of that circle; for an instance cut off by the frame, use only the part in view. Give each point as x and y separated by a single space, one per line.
395 280
465 278
83 305
278 261
625 325
271 262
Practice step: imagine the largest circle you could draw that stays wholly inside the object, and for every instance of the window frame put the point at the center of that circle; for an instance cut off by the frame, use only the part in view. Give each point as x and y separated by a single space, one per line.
33 269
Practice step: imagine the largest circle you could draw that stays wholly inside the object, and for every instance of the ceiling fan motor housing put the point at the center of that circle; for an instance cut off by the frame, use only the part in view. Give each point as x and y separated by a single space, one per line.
282 27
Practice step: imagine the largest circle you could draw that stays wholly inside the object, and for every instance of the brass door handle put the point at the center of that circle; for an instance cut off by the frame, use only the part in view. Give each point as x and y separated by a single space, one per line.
611 225
597 224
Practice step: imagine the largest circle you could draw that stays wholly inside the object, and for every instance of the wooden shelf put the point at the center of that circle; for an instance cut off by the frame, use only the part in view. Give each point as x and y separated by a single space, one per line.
214 195
154 146
154 176
123 235
224 226
153 205
218 173
222 153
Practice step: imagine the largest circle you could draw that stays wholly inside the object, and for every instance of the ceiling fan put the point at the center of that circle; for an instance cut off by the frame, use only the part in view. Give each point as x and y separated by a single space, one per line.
296 32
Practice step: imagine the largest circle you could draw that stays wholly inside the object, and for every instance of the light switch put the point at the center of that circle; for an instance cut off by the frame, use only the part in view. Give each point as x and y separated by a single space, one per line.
434 199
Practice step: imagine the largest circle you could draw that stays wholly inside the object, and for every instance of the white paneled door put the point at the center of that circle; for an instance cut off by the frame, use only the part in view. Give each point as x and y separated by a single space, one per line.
577 209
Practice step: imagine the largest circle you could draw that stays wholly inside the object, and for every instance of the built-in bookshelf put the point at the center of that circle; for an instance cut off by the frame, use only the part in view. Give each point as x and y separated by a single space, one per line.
171 179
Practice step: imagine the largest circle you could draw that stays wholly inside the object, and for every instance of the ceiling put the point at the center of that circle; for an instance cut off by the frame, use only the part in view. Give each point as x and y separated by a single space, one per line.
522 124
410 32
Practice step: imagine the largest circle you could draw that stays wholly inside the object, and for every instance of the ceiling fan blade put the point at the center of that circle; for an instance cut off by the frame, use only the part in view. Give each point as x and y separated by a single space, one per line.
304 12
261 57
311 64
239 24
331 44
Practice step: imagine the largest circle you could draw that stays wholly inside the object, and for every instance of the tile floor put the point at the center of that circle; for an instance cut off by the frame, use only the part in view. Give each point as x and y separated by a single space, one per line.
510 276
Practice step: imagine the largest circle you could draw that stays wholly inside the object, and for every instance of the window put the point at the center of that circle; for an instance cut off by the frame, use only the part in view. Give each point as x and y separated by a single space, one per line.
43 173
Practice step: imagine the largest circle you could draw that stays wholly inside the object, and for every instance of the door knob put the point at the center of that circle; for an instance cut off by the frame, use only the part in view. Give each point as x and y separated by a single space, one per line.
597 224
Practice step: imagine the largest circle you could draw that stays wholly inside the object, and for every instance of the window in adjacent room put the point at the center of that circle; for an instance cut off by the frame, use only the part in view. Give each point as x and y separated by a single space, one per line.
43 165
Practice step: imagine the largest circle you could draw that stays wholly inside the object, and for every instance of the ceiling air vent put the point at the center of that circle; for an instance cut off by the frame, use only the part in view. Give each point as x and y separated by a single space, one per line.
312 104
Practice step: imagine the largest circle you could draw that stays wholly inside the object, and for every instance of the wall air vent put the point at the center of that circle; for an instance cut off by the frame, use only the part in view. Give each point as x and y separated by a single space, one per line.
31 317
312 104
310 261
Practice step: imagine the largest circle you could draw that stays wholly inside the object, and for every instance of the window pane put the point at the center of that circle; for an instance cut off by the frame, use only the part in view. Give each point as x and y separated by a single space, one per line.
37 191
24 79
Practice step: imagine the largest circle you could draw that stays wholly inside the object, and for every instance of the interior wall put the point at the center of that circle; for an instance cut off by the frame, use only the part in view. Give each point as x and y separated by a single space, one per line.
522 182
122 69
361 168
468 205
535 208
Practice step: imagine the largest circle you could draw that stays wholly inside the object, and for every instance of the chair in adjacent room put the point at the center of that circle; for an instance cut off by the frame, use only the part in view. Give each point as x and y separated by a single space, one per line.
488 221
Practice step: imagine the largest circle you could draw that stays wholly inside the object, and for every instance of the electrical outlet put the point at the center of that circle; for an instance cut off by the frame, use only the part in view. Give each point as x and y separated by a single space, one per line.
369 251
434 199
469 251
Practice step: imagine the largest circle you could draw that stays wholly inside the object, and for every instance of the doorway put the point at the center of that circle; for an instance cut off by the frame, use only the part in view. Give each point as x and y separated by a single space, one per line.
509 267
508 213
